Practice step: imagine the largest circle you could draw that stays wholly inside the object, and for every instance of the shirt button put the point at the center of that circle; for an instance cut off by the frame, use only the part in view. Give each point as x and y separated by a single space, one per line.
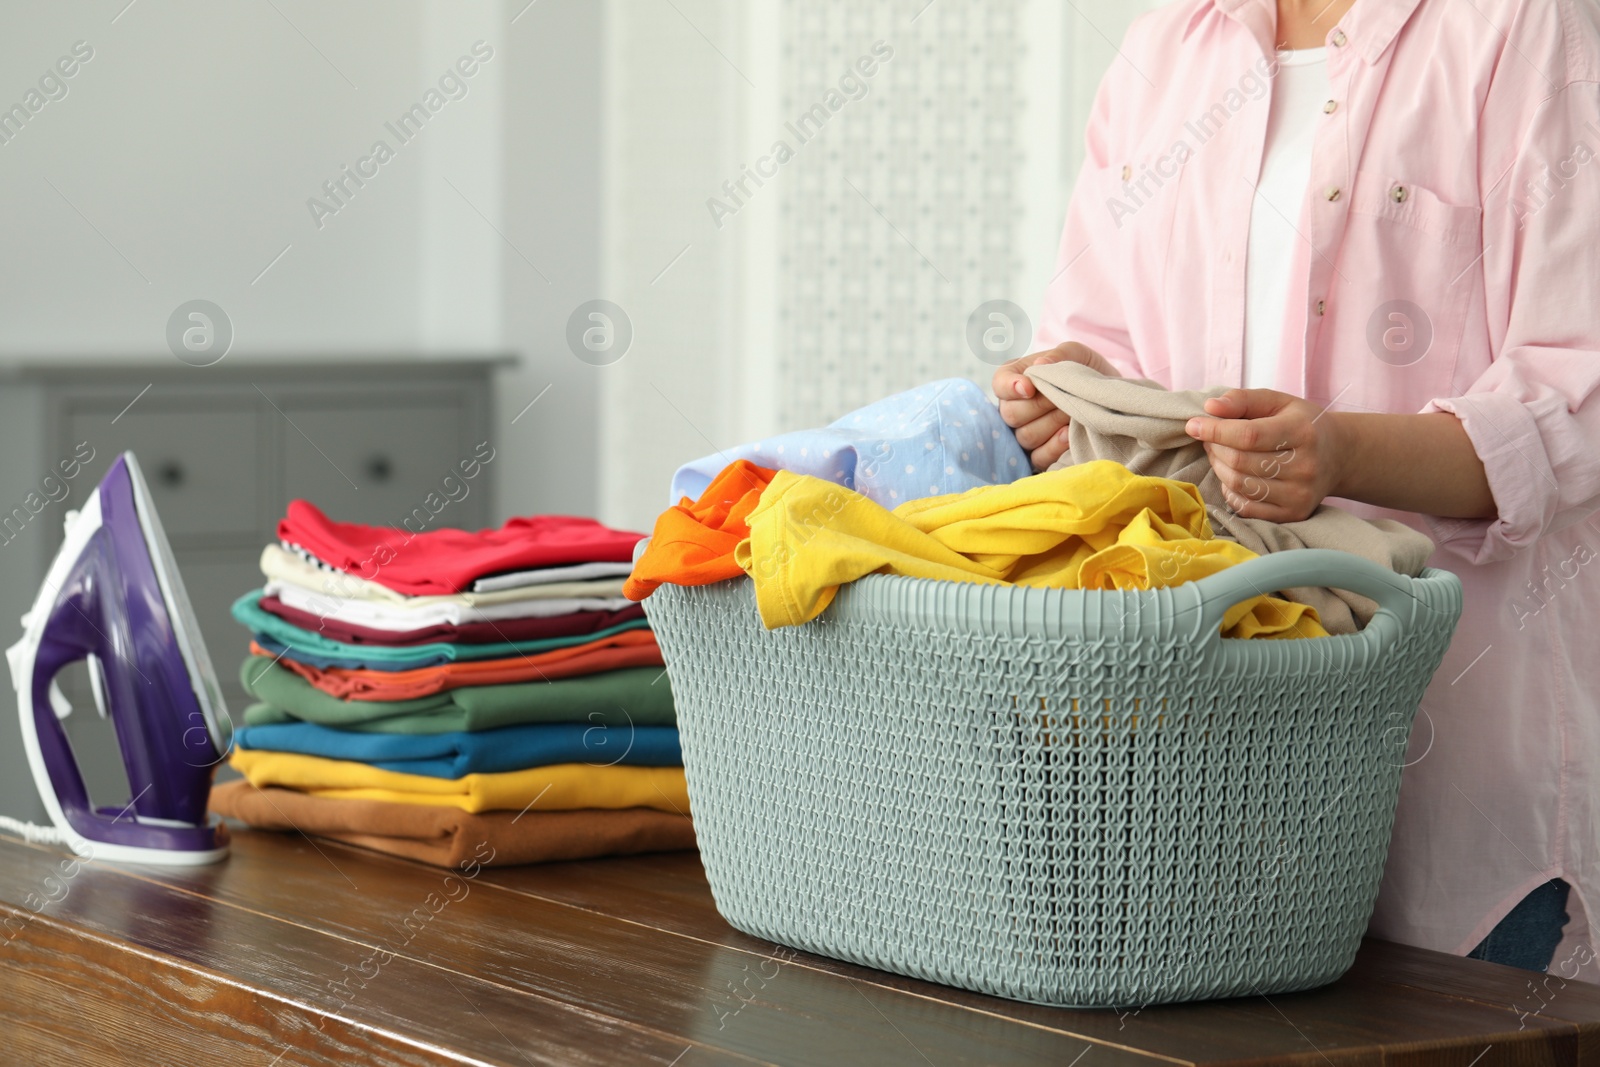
1399 193
1333 194
1330 107
1127 172
1339 38
1320 306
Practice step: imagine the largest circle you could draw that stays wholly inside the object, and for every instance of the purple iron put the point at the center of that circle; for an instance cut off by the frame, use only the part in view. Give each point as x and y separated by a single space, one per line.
113 598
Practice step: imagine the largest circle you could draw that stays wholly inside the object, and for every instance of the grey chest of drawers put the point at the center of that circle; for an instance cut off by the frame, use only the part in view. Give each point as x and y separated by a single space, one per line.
225 448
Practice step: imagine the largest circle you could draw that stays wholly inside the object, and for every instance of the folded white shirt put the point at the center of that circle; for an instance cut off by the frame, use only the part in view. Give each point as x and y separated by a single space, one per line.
279 564
376 615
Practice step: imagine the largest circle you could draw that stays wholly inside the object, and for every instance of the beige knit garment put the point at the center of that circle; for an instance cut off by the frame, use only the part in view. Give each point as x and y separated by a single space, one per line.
1140 424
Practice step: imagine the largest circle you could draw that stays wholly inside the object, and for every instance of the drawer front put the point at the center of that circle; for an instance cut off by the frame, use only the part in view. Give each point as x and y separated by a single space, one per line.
201 464
380 465
214 580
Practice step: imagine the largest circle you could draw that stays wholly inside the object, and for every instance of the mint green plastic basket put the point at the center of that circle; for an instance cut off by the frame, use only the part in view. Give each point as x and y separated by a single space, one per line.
1074 798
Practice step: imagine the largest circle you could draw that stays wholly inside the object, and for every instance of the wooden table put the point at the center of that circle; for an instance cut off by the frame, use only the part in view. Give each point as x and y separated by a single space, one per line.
299 951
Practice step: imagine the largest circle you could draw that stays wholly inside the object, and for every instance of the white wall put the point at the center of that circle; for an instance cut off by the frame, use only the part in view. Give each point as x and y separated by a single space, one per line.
552 133
740 338
191 142
674 109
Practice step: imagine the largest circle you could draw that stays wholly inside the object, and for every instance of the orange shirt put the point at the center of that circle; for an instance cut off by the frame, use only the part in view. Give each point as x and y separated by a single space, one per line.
631 648
693 541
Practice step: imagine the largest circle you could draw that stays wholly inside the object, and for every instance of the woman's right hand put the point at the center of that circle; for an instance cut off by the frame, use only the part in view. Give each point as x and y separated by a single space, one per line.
1041 427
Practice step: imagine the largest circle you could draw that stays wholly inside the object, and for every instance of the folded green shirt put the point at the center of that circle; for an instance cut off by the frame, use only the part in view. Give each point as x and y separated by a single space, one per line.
641 696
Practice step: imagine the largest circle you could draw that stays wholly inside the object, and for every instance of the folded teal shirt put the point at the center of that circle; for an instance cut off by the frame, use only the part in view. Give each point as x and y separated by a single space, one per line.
456 754
281 637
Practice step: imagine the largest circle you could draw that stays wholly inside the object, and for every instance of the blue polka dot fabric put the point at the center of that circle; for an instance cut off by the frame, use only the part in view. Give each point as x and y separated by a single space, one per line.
943 437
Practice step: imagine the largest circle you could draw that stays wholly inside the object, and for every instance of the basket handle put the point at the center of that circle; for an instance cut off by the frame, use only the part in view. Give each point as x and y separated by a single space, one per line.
1302 566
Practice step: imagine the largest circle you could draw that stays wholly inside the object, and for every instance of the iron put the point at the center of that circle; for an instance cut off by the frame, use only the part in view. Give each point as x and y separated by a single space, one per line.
114 599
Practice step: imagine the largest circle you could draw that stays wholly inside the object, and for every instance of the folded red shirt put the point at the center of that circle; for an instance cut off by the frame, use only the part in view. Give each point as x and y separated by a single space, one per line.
448 560
470 633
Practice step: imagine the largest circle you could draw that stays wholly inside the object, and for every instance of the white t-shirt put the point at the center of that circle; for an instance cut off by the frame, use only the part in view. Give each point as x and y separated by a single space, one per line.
1299 92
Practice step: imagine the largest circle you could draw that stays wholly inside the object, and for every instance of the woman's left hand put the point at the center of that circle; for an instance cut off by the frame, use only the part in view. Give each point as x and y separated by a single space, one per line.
1276 455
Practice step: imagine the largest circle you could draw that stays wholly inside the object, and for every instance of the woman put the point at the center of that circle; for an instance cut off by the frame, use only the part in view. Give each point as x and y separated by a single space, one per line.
1383 216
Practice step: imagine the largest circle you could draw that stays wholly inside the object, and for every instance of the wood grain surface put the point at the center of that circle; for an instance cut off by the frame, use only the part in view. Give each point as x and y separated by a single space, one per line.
303 951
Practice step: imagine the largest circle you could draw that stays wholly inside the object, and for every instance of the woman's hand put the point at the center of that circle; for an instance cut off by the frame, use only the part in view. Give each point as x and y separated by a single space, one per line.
1041 426
1276 455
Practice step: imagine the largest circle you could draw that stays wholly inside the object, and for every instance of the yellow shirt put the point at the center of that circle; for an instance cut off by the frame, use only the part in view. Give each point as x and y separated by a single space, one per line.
558 787
1090 526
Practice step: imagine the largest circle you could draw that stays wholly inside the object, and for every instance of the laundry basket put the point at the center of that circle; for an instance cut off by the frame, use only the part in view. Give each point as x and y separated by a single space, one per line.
1068 797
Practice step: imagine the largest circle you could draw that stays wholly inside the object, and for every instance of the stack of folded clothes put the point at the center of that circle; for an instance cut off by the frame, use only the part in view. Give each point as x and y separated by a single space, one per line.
456 697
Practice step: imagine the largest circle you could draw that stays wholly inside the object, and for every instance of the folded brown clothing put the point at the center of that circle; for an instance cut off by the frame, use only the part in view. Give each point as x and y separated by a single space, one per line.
450 837
1139 424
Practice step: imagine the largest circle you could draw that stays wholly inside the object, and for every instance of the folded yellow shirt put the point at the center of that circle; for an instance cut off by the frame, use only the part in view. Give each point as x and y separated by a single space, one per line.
1090 526
558 787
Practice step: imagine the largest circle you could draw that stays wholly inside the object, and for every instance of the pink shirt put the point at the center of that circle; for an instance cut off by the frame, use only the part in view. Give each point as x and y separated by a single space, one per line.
1450 261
